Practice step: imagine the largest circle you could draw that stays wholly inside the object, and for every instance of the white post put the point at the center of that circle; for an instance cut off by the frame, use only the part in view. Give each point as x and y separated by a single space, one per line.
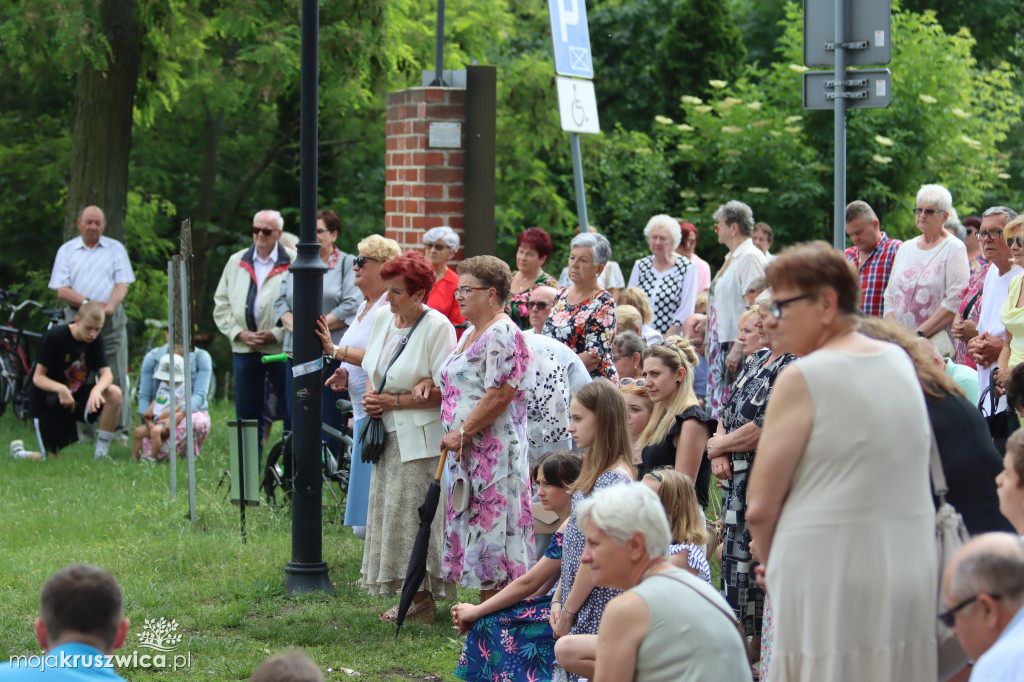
189 436
171 271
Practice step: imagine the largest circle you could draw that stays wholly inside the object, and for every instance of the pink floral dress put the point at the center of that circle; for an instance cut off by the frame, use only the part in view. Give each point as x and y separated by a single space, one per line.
490 544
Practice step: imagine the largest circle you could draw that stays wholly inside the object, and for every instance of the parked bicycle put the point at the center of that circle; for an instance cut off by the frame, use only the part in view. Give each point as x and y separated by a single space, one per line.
278 479
16 363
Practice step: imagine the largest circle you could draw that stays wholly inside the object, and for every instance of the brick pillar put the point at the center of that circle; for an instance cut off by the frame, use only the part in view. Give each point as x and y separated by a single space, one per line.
425 185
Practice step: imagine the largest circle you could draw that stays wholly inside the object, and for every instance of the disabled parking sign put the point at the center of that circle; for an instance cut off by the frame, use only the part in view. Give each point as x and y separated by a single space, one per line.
571 38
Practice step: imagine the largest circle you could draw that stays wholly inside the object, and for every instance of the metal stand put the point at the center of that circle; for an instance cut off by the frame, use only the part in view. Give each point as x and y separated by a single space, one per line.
839 186
577 179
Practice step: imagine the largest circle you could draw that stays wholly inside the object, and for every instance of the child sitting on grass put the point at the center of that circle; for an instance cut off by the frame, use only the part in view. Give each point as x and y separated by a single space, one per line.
157 419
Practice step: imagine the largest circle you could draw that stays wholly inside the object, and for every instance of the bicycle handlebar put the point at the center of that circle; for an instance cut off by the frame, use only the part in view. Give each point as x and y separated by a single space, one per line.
279 357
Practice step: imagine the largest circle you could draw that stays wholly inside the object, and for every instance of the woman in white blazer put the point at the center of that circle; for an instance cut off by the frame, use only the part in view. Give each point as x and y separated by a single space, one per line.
414 432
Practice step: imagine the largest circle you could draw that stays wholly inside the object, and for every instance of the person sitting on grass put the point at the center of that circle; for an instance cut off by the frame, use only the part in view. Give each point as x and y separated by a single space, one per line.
156 420
291 666
81 620
60 393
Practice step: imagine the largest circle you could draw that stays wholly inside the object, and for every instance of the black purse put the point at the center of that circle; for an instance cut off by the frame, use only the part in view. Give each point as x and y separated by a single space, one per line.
371 437
1000 424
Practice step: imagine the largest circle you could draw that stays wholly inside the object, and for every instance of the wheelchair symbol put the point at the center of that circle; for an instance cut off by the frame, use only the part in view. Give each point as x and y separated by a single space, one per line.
579 115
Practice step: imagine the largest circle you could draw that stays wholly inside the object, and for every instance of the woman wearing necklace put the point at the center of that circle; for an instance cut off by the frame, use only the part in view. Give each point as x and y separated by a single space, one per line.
583 316
533 248
829 493
484 383
628 538
408 343
373 252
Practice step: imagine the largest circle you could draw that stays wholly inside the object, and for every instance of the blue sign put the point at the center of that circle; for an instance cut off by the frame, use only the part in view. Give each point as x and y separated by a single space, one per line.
571 38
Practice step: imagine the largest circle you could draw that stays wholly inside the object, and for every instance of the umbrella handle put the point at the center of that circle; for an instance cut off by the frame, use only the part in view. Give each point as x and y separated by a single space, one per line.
444 457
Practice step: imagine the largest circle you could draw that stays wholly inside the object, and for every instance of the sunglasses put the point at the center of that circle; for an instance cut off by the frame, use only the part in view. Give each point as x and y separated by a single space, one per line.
928 212
267 231
537 305
948 618
1018 240
630 381
361 261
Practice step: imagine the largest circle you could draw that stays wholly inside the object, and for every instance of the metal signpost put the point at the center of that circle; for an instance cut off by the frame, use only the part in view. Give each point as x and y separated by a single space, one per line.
853 33
577 104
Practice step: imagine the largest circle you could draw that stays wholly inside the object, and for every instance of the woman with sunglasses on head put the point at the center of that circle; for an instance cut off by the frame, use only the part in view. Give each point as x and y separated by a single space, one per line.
599 424
439 245
509 636
533 248
731 451
928 273
372 252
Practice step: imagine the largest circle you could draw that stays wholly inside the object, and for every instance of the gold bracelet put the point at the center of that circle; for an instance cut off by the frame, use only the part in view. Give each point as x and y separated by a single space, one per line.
398 401
345 354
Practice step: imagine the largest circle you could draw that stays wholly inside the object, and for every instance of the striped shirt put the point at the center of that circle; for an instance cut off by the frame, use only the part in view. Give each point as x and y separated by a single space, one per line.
874 273
92 272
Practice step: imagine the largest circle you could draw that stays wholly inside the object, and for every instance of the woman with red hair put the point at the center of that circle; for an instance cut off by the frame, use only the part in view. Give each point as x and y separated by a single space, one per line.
408 343
687 246
534 249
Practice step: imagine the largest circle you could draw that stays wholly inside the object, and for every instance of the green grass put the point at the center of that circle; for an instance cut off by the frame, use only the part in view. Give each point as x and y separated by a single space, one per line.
227 597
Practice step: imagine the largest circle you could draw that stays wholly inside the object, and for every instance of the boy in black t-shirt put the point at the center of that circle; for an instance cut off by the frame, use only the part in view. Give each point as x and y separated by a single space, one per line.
60 394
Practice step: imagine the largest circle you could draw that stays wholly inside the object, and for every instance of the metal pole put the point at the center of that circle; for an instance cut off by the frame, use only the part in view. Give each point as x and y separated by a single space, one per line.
839 209
577 179
170 351
307 572
439 48
189 436
241 474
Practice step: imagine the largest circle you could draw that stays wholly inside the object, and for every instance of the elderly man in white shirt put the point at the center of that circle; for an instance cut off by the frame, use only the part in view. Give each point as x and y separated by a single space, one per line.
92 267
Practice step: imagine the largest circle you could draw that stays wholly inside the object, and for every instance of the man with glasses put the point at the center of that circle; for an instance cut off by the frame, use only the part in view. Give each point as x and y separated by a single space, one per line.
872 252
540 303
244 312
985 347
983 589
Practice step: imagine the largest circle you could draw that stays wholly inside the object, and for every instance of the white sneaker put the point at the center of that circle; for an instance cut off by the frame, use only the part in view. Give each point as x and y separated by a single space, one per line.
18 449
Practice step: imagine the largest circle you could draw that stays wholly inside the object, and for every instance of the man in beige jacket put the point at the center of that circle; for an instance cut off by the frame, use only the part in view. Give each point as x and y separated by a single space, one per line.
244 312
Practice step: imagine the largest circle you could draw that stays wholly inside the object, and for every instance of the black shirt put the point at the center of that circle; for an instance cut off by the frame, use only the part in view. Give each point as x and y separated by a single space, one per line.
67 361
664 453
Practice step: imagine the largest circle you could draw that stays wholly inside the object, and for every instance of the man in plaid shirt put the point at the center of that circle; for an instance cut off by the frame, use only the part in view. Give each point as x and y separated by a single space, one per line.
872 252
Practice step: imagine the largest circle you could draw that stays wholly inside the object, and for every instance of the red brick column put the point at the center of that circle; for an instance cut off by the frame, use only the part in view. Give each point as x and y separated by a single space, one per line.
425 185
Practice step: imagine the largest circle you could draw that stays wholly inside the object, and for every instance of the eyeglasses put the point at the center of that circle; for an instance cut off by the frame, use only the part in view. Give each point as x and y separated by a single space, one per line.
361 261
775 307
948 618
462 292
928 212
991 234
321 230
267 231
538 305
440 246
1018 240
630 381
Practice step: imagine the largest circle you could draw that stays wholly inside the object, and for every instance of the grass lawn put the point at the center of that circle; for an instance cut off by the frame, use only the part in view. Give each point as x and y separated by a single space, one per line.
227 597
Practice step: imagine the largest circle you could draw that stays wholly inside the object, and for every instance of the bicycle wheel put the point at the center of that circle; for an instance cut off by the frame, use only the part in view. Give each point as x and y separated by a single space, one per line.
8 388
277 476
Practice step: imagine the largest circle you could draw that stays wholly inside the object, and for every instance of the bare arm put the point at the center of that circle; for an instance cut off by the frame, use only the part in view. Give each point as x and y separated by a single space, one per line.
116 298
625 623
493 404
788 422
70 296
690 446
743 439
940 319
464 615
589 361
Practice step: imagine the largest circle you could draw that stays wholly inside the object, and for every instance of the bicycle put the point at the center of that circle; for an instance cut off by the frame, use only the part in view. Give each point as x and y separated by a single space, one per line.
16 365
277 482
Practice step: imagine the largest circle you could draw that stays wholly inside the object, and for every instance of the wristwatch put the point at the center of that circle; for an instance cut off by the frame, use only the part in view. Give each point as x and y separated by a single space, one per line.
919 332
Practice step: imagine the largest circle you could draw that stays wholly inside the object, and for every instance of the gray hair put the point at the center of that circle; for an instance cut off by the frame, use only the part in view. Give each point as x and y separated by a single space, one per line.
763 298
597 243
992 563
1004 210
622 510
274 215
669 223
859 209
627 343
758 284
935 195
736 212
954 225
442 234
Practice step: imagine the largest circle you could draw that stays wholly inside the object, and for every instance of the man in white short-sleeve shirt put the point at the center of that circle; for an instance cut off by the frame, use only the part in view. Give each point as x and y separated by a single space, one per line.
92 267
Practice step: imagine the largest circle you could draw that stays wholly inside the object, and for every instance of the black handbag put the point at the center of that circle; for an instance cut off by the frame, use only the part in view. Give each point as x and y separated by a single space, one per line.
1000 424
371 438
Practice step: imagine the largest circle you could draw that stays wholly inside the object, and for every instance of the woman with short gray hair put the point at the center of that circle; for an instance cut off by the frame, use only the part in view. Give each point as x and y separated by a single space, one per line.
440 244
583 315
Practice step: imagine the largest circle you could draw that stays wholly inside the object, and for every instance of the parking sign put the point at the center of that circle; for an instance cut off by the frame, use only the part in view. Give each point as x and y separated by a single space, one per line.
571 38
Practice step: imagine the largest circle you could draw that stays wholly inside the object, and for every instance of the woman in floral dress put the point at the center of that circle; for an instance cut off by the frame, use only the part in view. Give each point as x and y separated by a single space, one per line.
533 250
483 409
583 316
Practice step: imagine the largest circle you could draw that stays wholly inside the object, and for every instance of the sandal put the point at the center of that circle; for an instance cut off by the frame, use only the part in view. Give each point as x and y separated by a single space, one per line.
422 611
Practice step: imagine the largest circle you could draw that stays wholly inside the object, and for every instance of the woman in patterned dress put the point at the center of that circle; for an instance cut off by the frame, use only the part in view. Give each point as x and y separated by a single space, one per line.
583 316
668 279
509 634
533 250
598 422
484 384
731 451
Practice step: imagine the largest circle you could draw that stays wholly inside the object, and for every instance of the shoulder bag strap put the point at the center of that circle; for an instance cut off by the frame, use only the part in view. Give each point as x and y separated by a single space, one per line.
936 251
401 347
970 304
939 486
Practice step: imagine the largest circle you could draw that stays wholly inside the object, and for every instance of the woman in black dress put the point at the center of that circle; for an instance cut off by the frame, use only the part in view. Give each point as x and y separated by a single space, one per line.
678 431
